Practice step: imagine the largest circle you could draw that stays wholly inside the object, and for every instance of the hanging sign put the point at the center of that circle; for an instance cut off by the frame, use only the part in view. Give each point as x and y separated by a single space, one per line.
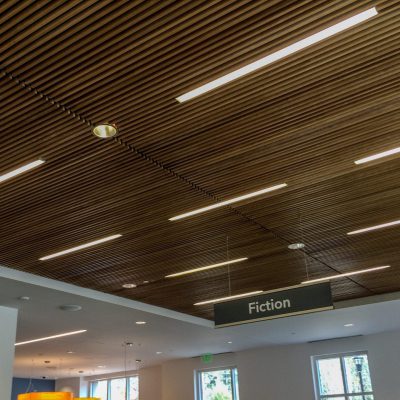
295 300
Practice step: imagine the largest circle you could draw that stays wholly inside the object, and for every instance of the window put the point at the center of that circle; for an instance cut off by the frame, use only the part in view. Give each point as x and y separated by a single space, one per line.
116 389
343 377
217 384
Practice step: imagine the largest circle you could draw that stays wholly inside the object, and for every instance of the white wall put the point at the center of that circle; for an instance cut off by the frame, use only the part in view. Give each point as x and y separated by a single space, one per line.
8 327
149 382
278 372
178 376
69 385
284 372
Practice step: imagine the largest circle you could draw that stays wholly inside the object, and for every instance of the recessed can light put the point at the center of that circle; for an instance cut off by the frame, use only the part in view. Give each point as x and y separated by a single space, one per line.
70 352
348 325
128 285
24 298
105 130
159 352
141 322
296 246
229 342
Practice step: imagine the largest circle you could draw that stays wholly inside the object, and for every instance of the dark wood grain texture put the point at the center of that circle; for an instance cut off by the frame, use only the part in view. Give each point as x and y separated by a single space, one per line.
302 120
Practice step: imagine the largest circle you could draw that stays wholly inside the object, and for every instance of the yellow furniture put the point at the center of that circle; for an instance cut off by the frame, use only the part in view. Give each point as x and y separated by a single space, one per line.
46 396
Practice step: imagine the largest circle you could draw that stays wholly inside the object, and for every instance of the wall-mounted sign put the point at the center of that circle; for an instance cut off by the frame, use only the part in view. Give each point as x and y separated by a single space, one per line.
275 304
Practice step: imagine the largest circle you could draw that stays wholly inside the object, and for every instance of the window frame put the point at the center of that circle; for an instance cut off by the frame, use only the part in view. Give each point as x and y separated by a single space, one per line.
234 379
108 380
341 357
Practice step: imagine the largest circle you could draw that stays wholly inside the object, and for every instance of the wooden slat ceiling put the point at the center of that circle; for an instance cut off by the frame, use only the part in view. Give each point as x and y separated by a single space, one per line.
302 120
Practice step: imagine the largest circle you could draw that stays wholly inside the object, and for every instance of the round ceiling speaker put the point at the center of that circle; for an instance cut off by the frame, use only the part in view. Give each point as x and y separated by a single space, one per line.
70 307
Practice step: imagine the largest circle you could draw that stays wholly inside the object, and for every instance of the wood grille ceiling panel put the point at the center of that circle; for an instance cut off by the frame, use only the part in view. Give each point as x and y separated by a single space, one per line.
303 121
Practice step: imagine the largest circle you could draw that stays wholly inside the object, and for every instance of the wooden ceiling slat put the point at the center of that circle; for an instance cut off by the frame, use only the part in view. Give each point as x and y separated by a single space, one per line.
303 121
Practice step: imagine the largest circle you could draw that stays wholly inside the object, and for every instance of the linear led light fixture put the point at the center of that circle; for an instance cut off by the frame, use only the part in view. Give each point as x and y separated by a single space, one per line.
338 276
377 156
221 264
278 55
51 337
375 227
236 296
228 202
21 170
81 247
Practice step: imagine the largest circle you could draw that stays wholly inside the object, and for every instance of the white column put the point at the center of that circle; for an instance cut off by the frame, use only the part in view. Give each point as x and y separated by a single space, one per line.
8 328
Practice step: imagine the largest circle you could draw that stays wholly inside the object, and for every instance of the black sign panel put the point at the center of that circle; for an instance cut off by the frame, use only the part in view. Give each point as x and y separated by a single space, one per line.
276 304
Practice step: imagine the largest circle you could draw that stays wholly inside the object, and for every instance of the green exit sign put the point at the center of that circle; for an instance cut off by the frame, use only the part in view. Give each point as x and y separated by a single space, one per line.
207 358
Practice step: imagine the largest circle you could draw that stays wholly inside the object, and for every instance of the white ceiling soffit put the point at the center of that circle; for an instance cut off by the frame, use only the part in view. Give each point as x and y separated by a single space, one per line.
95 295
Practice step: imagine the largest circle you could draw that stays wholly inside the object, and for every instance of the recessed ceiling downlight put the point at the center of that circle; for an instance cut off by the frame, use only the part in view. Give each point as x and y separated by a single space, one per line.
128 285
105 130
296 246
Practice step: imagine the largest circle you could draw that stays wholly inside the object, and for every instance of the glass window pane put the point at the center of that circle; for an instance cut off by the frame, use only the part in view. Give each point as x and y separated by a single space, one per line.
118 389
216 385
357 374
330 376
366 397
99 389
134 388
334 398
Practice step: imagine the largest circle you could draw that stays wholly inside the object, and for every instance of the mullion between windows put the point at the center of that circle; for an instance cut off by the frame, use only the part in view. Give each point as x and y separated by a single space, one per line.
344 376
233 384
